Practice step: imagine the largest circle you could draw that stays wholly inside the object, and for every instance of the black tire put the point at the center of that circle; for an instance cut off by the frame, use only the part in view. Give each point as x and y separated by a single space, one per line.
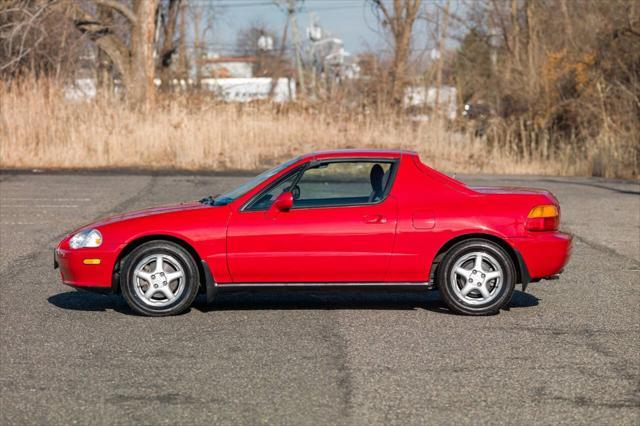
455 300
176 253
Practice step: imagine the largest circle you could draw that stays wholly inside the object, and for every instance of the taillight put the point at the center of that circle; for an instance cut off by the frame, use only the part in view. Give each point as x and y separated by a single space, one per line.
543 218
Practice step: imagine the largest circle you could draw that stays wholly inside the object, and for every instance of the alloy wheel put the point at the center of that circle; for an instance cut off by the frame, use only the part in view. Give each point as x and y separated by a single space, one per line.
476 278
159 280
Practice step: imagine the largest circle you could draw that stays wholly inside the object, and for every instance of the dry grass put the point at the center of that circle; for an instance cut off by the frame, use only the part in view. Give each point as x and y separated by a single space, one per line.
39 129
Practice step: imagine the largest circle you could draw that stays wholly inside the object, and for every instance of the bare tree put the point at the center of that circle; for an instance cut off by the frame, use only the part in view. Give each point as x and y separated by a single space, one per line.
259 40
556 75
37 37
104 71
280 61
182 49
135 64
442 37
399 20
202 18
168 47
248 38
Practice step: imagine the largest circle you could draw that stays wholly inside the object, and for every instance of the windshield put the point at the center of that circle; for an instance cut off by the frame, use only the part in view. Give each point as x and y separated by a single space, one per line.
225 199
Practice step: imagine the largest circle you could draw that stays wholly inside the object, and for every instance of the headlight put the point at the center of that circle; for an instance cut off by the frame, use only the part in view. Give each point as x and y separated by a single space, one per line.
88 238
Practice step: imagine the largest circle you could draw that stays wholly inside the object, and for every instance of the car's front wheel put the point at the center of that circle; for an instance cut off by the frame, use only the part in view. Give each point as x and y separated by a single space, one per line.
476 277
159 278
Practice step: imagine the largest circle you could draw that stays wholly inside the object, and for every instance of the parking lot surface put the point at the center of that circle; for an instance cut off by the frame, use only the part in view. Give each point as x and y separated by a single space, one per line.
565 352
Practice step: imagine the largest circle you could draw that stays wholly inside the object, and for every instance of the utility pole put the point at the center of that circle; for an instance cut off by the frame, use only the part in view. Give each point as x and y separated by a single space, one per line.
314 34
296 42
275 77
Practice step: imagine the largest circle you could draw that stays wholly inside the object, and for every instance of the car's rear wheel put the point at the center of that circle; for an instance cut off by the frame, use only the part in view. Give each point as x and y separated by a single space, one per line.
476 277
159 278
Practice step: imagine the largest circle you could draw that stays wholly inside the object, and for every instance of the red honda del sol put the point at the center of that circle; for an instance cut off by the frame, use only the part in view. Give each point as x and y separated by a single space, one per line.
335 218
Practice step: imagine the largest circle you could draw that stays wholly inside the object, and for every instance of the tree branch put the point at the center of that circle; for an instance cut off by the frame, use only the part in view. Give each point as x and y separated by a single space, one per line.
104 39
121 8
503 26
382 8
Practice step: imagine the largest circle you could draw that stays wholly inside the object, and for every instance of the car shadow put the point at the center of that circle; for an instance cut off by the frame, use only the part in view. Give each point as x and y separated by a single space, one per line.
89 302
520 299
301 299
340 299
286 299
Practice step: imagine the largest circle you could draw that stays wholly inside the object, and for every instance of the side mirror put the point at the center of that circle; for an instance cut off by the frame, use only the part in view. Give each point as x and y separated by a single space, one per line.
284 202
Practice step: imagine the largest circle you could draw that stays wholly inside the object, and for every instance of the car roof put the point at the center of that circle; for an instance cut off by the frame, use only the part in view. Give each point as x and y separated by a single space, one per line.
337 153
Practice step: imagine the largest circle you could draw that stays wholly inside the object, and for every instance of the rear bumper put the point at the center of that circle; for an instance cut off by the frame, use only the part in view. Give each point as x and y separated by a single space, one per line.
545 254
75 273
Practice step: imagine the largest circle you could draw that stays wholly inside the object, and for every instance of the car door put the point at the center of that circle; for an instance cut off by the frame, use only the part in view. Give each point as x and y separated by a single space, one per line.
341 227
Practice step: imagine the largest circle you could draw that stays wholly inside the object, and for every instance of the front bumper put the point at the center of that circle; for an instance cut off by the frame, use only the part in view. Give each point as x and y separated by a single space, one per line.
75 273
545 254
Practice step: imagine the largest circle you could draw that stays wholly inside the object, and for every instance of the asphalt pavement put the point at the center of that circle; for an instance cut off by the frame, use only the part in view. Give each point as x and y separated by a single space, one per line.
566 352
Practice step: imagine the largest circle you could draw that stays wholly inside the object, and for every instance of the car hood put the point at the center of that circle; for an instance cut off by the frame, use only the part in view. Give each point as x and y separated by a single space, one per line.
171 208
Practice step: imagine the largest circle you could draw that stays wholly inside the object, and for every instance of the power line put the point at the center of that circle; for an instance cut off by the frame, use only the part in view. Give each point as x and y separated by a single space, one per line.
353 6
231 5
257 3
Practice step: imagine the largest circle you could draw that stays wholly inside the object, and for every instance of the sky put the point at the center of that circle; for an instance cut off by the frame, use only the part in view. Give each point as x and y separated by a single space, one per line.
350 20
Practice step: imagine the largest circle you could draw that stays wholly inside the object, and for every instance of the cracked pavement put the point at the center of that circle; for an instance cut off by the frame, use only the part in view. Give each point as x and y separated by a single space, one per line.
565 353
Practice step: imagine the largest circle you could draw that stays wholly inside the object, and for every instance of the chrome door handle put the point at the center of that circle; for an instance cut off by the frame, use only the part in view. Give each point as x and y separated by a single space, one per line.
374 218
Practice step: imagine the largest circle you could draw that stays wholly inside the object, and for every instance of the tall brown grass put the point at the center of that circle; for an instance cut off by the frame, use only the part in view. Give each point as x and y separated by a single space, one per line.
40 129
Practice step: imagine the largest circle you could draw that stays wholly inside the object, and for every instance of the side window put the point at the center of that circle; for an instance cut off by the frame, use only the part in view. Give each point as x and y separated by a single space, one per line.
266 198
342 183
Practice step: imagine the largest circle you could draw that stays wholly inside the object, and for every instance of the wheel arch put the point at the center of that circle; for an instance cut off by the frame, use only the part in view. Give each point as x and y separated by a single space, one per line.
132 245
522 273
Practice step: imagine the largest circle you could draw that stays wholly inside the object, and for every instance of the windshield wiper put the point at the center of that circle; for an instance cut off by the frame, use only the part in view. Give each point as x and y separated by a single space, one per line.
210 200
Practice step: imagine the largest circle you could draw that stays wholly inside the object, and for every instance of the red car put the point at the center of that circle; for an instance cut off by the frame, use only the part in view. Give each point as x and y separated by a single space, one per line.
338 218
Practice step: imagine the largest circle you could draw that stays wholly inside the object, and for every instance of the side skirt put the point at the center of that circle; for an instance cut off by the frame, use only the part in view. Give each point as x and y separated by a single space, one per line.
378 285
212 287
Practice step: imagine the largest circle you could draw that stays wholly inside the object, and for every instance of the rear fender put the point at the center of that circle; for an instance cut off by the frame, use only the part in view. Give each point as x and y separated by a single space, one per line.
522 271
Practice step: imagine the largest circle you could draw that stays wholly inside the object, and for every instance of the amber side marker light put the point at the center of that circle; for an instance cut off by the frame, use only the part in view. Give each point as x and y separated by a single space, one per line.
543 218
91 261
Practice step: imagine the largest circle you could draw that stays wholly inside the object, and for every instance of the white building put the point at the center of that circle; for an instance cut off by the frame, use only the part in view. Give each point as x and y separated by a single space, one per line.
421 96
227 89
228 66
250 89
